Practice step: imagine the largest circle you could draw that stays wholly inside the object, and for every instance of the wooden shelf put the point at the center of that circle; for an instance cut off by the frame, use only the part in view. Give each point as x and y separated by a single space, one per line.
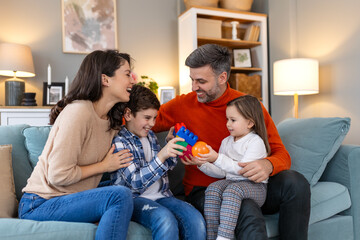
228 42
239 69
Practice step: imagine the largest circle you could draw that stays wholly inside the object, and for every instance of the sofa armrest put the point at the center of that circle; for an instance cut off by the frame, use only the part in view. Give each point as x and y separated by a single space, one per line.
344 168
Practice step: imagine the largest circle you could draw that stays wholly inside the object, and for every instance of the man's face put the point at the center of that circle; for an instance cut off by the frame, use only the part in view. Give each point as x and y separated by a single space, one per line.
205 84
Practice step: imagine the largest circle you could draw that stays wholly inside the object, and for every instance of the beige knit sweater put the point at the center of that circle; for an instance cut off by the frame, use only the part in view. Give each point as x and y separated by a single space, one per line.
79 137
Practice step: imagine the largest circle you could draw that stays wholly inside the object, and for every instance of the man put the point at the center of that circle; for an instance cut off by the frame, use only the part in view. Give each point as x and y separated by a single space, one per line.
203 112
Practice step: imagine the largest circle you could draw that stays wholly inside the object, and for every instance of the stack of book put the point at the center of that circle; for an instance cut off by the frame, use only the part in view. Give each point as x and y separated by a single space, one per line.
252 33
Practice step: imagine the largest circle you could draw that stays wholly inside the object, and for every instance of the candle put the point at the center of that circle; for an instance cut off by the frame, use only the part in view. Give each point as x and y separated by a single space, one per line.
49 75
66 85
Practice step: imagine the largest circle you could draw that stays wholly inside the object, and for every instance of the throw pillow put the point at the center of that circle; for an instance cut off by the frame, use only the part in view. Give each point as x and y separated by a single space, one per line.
35 139
312 142
8 202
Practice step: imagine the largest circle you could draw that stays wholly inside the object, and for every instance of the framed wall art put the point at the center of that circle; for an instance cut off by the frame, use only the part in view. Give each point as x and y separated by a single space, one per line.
53 94
88 25
166 94
242 58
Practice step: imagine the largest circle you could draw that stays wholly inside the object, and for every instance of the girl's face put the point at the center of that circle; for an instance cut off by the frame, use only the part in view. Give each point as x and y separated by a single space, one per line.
121 83
141 124
237 125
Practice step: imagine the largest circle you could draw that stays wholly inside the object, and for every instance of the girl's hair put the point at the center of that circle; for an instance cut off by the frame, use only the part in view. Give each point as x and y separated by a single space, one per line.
250 108
87 83
142 98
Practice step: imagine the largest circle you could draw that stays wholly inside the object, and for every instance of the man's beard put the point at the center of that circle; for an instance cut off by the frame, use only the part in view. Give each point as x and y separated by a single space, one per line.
209 96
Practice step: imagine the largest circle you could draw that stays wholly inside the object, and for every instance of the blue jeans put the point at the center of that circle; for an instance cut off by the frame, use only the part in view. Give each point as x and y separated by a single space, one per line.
110 206
168 217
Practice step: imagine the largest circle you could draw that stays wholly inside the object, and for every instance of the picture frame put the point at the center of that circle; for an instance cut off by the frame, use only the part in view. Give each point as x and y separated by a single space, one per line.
53 94
242 58
166 94
88 25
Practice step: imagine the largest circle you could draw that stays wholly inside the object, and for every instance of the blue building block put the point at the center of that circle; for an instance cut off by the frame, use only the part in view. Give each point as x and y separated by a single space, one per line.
189 137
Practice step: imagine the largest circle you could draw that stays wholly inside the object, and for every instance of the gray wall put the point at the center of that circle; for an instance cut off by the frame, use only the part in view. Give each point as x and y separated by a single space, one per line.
327 30
147 30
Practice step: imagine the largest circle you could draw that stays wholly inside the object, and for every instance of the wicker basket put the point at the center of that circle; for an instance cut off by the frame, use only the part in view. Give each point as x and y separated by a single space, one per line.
240 5
204 3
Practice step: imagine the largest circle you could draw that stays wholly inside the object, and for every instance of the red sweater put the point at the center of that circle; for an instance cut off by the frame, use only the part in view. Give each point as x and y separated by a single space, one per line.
208 122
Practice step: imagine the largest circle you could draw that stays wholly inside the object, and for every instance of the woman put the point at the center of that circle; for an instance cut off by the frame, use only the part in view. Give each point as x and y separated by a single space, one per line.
63 185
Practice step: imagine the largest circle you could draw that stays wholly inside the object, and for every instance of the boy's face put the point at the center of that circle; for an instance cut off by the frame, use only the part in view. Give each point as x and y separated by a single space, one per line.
142 122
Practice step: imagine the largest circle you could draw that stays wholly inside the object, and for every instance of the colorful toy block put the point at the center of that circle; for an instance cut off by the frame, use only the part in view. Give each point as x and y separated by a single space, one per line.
188 136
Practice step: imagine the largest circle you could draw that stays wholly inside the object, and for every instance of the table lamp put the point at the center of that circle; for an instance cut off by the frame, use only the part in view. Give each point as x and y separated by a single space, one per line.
296 76
15 61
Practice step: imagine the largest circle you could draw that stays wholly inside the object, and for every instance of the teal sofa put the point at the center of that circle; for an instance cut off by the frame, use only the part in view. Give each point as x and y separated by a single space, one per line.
335 188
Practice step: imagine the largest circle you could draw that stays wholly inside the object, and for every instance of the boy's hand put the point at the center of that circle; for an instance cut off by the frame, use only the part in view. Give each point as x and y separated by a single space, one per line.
209 157
170 134
171 149
114 161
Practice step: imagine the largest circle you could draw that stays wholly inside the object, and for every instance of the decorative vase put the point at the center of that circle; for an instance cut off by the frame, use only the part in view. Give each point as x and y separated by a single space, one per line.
29 99
203 3
239 5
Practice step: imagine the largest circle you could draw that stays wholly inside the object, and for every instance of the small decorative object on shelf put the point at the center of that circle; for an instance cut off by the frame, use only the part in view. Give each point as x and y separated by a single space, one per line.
166 94
29 99
239 5
53 93
234 30
242 58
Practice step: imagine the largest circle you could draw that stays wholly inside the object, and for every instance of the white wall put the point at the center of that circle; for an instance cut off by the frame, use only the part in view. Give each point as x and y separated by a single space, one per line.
147 30
327 30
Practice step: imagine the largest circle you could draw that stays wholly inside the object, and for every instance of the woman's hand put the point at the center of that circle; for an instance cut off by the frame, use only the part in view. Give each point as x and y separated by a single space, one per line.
114 161
209 157
171 149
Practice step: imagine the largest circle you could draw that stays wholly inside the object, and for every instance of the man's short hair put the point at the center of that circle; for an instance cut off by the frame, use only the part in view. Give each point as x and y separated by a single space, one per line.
218 57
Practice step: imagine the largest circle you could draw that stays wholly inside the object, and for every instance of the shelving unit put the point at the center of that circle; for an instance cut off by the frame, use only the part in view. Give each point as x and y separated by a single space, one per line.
189 41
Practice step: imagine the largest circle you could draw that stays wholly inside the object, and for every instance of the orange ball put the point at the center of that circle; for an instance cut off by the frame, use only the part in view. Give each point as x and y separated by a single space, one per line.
199 147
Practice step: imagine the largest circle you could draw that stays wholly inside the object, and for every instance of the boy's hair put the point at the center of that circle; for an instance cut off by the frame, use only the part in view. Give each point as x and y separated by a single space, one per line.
250 108
142 98
218 57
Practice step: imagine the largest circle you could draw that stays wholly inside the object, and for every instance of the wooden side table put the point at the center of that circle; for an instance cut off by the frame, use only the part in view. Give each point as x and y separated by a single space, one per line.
33 116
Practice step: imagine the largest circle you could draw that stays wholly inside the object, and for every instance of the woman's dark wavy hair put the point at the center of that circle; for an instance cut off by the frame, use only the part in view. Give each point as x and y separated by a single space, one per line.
250 108
87 83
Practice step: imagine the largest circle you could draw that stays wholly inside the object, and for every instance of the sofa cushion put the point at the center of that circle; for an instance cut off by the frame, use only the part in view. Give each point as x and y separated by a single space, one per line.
11 228
21 166
35 139
312 142
328 199
8 203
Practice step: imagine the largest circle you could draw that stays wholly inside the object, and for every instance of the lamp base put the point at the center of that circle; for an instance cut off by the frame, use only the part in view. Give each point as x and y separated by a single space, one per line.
14 91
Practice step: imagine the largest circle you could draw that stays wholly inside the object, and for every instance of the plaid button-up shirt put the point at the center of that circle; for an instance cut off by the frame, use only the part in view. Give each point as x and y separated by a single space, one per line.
140 174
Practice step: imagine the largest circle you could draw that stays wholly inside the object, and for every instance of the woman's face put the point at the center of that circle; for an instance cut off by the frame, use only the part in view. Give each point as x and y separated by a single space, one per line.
121 83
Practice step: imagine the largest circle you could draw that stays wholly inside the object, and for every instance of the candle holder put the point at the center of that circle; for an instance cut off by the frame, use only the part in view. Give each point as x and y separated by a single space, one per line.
234 30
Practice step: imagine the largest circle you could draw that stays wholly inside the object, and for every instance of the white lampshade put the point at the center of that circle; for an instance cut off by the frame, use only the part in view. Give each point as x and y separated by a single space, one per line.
296 76
16 58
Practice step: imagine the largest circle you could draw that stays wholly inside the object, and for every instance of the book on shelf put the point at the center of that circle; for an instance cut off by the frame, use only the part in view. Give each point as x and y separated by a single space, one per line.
252 33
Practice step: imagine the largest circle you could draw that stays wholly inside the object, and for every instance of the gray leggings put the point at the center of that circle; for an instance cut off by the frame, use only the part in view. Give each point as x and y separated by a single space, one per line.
223 201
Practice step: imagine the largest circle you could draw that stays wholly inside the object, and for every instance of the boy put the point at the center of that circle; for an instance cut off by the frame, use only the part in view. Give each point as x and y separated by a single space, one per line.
154 205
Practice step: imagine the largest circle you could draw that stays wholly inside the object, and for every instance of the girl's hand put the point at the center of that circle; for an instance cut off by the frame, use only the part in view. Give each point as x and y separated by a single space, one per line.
114 161
209 157
171 149
191 160
170 134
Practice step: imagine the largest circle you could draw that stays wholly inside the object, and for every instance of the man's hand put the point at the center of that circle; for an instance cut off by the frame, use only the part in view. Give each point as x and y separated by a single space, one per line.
257 170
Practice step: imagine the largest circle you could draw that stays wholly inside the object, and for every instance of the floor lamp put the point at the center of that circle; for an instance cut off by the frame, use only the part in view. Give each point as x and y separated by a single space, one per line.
15 61
296 76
